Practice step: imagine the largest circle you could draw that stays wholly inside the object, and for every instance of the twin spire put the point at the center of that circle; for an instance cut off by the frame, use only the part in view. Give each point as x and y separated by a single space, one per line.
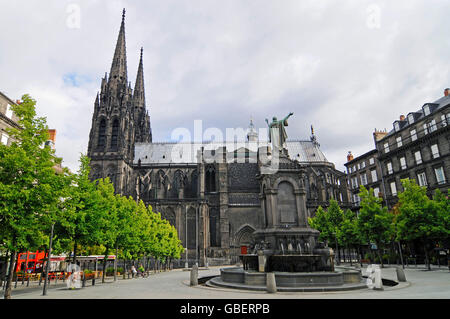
119 72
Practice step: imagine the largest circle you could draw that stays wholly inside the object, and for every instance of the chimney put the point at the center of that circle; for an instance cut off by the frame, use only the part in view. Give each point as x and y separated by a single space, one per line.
378 135
402 117
349 156
52 138
446 92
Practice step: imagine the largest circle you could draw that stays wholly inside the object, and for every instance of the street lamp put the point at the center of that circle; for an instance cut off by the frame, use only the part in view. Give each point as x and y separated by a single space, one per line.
44 292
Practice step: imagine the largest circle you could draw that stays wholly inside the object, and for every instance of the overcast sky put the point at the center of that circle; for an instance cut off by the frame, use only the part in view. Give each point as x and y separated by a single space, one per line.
345 67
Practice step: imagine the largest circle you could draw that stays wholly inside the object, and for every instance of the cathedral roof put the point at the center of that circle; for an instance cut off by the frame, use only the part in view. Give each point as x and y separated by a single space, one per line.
186 153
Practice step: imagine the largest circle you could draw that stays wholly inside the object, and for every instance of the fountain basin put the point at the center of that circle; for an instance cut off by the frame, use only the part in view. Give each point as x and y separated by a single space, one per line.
238 278
289 263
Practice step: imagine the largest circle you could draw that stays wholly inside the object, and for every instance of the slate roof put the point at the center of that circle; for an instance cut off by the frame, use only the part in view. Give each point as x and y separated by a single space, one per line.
185 153
441 103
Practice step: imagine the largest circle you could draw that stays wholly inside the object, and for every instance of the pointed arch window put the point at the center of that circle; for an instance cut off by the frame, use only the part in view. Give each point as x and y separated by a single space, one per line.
102 134
115 135
210 179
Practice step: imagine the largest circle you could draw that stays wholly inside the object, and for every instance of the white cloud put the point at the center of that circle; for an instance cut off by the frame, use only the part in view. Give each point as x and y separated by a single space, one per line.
224 61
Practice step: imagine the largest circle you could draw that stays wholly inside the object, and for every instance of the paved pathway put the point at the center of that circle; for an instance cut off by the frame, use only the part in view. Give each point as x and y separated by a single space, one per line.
422 284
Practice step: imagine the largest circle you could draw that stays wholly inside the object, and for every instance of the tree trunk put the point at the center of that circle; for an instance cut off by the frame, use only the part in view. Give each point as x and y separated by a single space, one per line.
4 269
74 260
426 257
379 256
10 274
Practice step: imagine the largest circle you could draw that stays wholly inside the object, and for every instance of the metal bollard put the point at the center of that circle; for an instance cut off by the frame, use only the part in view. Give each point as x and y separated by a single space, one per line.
15 285
271 284
28 281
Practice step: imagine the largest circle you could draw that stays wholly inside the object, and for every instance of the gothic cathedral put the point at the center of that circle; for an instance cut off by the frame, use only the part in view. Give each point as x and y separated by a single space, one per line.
215 194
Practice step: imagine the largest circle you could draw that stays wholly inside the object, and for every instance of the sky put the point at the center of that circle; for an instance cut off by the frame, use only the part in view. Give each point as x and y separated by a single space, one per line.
345 67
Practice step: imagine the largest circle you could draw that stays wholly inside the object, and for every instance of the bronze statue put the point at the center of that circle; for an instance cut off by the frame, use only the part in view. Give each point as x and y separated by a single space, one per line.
277 132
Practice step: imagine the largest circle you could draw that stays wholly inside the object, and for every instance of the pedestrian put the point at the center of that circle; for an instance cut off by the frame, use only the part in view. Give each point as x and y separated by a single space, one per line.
133 271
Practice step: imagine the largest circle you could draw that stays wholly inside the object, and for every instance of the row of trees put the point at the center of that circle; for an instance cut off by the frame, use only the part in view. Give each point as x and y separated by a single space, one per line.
85 216
414 219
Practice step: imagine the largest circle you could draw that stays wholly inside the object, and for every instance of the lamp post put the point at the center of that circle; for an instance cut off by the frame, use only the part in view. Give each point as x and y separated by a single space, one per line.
186 264
44 292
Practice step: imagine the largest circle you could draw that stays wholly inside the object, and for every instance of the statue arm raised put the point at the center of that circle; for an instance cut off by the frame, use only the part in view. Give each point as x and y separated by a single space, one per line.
289 115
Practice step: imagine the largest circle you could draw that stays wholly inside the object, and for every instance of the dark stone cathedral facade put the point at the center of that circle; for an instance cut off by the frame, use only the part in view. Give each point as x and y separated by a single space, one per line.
215 194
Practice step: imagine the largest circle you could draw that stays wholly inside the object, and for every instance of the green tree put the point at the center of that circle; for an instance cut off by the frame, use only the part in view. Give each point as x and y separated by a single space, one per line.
328 223
320 222
375 223
348 233
30 189
83 226
422 218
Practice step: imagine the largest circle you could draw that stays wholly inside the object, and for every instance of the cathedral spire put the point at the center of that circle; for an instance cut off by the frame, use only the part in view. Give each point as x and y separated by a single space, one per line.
139 91
119 63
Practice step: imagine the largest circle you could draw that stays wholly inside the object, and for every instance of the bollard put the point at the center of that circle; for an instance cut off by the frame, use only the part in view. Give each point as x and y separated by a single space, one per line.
56 279
15 285
271 284
28 281
400 274
84 280
378 281
194 275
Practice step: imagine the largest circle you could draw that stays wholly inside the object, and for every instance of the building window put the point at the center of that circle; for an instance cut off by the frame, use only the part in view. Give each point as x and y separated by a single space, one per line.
5 139
399 141
393 189
356 199
376 191
402 162
425 129
210 179
396 126
364 179
440 177
435 150
418 157
426 110
413 135
9 112
363 165
354 182
386 147
422 178
444 120
102 134
432 126
371 161
374 175
115 135
389 168
411 118
359 167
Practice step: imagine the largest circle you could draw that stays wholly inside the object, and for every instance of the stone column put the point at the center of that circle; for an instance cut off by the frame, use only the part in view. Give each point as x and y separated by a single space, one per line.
302 212
222 175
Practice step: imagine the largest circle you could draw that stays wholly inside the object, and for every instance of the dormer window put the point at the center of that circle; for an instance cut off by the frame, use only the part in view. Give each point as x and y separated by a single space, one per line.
396 126
426 110
9 112
411 118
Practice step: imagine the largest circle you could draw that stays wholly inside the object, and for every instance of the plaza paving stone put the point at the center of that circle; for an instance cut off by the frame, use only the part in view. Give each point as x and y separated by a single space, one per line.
422 284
